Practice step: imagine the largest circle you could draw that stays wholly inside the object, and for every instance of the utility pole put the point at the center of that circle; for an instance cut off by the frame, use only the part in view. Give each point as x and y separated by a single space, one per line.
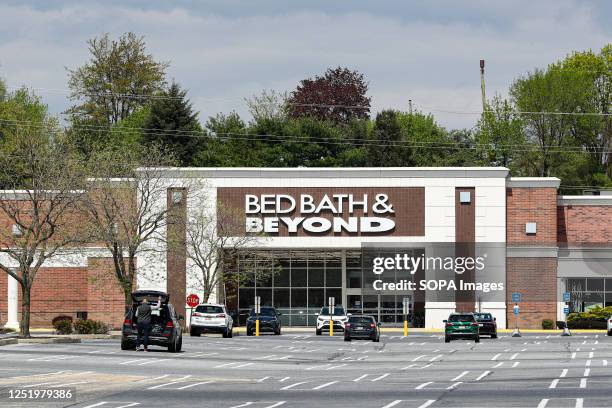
482 85
410 106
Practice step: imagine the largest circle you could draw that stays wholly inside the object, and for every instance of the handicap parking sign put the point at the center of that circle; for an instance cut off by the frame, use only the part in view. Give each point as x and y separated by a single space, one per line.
567 296
516 297
566 310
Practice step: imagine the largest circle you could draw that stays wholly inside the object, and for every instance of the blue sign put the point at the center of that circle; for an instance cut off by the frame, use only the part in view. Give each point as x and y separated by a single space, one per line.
567 296
516 297
566 310
516 310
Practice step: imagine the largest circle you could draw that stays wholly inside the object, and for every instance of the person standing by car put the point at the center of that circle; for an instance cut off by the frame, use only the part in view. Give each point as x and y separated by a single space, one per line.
143 314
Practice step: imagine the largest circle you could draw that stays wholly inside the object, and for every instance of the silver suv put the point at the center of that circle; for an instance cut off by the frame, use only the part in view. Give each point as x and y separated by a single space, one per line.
339 318
211 318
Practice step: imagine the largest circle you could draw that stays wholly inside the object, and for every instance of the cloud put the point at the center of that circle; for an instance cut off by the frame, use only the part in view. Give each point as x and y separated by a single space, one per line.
226 51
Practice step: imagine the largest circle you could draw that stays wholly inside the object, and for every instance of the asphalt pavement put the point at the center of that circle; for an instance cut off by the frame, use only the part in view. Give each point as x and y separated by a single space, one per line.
304 370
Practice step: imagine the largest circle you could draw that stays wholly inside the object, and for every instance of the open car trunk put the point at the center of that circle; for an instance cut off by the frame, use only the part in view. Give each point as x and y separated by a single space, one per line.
152 295
159 318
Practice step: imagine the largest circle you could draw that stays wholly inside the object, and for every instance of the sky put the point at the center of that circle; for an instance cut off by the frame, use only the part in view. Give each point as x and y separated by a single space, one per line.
225 51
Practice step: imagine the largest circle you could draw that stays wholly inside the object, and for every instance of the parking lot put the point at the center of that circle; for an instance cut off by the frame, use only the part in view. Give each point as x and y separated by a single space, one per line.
304 370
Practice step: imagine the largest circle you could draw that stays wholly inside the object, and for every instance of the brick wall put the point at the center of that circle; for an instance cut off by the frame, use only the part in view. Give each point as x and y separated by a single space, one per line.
56 291
536 280
580 225
537 205
105 298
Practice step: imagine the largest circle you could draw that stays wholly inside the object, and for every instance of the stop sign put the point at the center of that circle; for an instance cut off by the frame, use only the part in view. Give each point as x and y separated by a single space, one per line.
193 300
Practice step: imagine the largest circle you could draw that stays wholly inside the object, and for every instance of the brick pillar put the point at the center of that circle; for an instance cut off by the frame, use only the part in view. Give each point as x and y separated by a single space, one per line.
465 236
176 256
105 297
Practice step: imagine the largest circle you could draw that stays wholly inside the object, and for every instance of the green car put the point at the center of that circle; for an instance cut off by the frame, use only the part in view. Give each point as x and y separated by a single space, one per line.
461 326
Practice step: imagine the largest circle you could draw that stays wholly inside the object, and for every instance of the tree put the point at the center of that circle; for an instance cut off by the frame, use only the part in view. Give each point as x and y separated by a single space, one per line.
119 78
500 134
268 106
172 123
40 208
595 131
215 237
122 206
338 96
544 97
387 148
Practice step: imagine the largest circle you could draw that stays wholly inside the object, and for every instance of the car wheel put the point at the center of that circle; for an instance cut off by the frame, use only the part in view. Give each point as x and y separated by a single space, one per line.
127 345
477 339
249 332
231 333
278 332
172 346
224 334
347 338
194 333
494 336
609 332
318 332
179 346
447 339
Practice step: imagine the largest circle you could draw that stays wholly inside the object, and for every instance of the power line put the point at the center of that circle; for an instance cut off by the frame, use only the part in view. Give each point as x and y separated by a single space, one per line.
256 137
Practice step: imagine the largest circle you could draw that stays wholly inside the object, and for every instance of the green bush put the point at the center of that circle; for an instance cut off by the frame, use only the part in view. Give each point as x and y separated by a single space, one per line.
548 324
88 326
62 324
594 313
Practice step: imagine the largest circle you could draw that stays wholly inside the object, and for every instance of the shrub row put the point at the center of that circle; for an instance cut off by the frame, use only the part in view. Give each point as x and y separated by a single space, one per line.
65 325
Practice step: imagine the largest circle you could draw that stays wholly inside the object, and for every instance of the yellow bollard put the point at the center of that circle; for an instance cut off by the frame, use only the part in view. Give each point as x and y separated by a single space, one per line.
257 327
331 326
405 328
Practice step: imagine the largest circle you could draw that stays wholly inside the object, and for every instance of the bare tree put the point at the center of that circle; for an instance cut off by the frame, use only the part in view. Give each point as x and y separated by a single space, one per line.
39 209
214 238
125 206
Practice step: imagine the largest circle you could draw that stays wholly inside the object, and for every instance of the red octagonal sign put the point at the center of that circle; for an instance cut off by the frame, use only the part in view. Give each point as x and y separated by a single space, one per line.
193 300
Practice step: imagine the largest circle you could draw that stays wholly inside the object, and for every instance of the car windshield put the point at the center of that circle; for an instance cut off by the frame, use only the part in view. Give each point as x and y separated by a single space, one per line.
461 318
338 311
483 316
209 309
265 311
361 319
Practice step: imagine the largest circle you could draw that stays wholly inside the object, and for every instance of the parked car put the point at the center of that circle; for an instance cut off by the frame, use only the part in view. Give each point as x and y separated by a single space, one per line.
211 318
339 318
461 326
362 327
609 326
166 330
487 324
269 321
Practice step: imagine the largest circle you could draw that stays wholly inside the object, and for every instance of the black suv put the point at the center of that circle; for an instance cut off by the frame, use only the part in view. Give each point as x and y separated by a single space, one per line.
487 324
166 328
269 320
362 327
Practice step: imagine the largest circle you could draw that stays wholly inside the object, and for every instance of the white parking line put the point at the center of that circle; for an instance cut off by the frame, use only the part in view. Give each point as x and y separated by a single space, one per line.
455 385
563 373
392 404
514 356
591 354
420 387
417 358
262 379
360 378
155 360
435 357
495 357
426 404
193 385
243 365
483 375
337 366
498 364
319 387
284 379
583 383
579 402
543 403
587 371
288 387
380 378
71 383
554 383
573 357
459 376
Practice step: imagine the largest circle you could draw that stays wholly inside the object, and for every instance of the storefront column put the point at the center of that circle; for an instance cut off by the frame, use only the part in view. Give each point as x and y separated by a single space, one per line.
13 304
343 256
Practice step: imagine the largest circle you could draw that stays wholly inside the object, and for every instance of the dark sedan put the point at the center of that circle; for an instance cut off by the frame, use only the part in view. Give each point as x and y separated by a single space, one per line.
487 324
362 327
269 321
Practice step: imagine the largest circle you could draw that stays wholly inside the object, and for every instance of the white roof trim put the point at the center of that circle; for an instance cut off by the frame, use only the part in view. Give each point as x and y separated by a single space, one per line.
584 200
533 182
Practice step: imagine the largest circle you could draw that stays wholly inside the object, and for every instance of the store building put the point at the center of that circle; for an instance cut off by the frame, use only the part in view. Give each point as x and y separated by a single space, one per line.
314 225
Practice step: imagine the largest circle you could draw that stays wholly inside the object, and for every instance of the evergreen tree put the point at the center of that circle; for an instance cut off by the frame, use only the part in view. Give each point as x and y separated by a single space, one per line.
173 123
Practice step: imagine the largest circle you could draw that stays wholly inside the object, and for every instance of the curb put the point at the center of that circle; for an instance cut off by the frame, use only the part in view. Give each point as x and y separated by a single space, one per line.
52 340
5 342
